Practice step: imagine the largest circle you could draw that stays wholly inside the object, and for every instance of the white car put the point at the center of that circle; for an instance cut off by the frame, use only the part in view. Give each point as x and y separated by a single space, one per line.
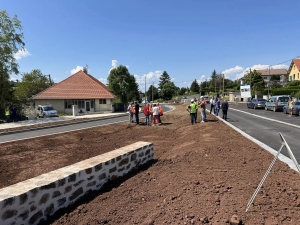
46 111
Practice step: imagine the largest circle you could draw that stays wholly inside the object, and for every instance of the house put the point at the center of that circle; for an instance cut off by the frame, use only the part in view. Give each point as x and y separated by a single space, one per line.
81 89
268 73
294 70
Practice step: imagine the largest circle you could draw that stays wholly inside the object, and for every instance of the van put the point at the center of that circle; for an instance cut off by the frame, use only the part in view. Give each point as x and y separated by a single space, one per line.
276 103
46 111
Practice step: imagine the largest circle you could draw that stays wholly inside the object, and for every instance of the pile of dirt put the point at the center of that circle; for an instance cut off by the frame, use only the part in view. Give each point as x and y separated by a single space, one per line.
202 174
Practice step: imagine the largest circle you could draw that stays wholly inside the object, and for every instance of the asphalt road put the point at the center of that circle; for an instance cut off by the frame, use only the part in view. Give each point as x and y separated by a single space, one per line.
264 130
67 128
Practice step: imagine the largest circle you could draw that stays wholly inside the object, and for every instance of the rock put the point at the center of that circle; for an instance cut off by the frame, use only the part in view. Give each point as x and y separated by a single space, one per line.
234 220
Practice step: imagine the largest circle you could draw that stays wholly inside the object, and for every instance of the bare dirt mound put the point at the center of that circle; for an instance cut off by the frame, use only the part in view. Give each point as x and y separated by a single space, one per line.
202 174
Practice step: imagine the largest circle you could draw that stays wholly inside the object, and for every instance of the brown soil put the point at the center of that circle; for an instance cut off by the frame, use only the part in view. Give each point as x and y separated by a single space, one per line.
202 174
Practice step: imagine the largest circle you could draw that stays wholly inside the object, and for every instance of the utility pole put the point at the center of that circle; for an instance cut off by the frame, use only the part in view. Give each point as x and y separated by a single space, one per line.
269 84
223 86
49 79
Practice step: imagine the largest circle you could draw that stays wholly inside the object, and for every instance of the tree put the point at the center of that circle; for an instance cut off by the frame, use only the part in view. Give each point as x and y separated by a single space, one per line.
275 78
195 86
32 83
154 90
168 90
182 91
256 81
11 41
123 84
163 79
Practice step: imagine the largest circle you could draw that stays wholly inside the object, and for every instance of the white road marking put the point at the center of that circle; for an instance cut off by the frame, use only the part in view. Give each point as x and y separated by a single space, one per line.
281 157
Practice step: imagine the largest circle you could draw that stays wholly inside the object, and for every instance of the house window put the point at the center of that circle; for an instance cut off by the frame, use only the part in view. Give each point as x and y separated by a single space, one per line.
68 104
102 101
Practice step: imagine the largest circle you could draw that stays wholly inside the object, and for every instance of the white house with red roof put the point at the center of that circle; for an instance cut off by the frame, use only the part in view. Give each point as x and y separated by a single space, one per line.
294 70
81 89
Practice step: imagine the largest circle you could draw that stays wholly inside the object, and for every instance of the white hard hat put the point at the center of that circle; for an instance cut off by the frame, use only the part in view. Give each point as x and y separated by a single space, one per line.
192 100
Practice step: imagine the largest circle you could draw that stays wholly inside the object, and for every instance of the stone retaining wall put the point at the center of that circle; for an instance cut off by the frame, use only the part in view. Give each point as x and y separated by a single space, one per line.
29 201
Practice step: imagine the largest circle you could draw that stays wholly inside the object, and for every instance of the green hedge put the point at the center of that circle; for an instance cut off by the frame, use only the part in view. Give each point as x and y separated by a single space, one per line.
283 91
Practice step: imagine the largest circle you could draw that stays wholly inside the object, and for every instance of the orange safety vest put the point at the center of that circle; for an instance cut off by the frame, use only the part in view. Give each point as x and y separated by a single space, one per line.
133 110
150 110
160 110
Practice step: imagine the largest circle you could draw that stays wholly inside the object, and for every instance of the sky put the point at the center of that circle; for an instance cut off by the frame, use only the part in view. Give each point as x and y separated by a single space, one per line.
187 38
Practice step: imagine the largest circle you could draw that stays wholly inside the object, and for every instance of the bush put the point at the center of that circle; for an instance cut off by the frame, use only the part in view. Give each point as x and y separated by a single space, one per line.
284 91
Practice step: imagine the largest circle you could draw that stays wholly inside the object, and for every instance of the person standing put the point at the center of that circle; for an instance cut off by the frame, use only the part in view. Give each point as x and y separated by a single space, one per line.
155 115
129 109
146 113
224 108
161 112
217 107
291 104
192 110
196 104
203 109
7 115
212 104
137 111
14 114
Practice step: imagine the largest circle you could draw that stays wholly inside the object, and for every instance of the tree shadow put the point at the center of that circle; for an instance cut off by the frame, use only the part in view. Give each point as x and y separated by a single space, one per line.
91 195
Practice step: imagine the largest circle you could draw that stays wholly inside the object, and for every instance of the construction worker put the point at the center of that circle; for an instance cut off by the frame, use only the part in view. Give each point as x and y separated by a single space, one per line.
196 103
192 110
161 112
7 115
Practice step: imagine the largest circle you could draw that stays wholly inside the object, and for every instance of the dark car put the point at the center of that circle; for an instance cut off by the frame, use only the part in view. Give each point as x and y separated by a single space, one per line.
256 103
296 109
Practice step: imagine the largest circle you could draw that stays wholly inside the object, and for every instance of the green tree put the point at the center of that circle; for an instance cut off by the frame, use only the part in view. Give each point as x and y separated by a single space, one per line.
155 93
275 78
11 41
195 86
168 90
256 82
163 79
32 83
123 84
182 91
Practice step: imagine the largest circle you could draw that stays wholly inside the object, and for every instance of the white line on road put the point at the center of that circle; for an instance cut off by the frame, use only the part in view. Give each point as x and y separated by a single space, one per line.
265 118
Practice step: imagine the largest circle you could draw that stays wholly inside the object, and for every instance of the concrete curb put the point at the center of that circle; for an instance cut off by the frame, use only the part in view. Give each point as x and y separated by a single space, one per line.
277 121
61 125
281 157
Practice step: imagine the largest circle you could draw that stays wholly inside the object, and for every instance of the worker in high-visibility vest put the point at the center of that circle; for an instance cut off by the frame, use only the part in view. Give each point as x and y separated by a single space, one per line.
192 110
7 115
161 112
196 103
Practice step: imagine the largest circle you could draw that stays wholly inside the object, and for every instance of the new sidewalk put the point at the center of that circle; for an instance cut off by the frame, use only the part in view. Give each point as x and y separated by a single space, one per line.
50 120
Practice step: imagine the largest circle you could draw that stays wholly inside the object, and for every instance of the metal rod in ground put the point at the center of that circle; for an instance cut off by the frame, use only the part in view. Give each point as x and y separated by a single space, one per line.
264 178
290 152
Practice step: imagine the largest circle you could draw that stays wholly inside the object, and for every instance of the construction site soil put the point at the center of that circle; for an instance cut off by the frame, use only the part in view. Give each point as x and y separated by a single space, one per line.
201 174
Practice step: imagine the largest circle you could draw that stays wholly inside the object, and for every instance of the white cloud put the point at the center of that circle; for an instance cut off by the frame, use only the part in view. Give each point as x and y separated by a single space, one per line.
103 80
114 64
21 54
78 68
202 79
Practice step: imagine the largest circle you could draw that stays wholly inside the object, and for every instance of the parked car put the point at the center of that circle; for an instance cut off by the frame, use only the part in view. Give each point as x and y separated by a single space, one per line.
46 111
276 103
256 103
184 97
296 109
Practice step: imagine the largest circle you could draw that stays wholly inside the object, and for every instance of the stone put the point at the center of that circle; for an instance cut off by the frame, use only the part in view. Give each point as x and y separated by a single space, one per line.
61 182
24 215
91 184
234 220
23 198
89 171
44 198
133 157
9 214
78 183
102 176
61 201
76 194
98 167
68 189
56 194
114 169
48 186
72 178
124 161
49 210
35 217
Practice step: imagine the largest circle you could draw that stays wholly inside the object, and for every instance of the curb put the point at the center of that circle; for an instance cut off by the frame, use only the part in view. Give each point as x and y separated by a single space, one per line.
61 125
281 157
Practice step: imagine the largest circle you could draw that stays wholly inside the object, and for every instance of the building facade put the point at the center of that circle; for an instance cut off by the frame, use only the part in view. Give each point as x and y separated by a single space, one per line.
294 70
81 89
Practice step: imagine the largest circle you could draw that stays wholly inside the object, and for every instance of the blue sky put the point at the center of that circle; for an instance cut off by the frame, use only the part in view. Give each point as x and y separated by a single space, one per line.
188 39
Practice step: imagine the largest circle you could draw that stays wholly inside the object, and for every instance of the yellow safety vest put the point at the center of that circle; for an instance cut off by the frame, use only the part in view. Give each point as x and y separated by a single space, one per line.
7 112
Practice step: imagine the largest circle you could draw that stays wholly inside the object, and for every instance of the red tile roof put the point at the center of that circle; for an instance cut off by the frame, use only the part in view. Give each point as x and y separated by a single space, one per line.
78 86
266 72
297 63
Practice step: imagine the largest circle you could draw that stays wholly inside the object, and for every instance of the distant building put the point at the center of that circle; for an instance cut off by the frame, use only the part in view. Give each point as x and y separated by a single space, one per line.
294 70
81 89
267 74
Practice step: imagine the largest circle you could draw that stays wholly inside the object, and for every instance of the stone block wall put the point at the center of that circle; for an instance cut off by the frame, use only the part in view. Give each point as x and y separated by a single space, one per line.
29 201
